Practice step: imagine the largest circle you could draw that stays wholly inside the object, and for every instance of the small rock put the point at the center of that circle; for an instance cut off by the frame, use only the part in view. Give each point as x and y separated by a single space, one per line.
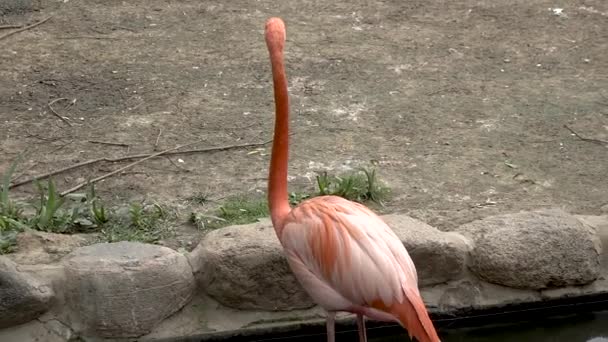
124 289
438 256
34 331
534 250
600 224
22 297
462 295
244 267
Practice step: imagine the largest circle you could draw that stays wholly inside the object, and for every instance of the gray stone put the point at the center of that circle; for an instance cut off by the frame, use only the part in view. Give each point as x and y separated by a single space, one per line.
439 256
534 250
22 297
124 289
244 267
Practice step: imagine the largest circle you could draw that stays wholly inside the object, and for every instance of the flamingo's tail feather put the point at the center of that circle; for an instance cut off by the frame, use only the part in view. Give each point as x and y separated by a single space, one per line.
414 317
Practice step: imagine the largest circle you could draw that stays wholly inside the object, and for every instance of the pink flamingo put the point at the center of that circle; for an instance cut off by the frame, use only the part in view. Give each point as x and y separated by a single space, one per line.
343 254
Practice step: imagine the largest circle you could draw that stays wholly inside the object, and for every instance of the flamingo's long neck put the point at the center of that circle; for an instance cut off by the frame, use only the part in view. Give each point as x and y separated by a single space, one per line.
277 182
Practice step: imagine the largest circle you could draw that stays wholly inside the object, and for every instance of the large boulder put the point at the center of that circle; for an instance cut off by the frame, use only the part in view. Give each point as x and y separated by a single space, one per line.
22 297
244 267
534 250
124 289
439 256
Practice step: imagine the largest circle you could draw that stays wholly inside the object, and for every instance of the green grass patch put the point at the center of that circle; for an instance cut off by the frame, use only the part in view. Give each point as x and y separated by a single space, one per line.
361 186
235 210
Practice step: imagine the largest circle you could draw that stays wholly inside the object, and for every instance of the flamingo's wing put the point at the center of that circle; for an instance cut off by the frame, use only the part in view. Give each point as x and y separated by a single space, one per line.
349 251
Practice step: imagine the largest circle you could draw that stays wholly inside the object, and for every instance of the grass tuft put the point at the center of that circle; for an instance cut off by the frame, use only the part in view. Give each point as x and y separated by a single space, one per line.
360 186
144 223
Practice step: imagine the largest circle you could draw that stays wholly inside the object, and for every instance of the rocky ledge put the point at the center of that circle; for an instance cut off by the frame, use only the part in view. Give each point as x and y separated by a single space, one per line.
65 288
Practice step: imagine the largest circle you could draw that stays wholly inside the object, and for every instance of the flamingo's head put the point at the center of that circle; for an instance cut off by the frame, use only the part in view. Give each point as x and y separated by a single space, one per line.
275 34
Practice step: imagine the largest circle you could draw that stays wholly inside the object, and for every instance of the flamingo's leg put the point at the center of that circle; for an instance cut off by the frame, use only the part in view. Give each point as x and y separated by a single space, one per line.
331 326
361 326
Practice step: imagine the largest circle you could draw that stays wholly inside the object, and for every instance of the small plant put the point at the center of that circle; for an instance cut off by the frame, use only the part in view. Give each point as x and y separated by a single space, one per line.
9 229
8 208
8 241
324 184
199 198
360 186
97 209
141 223
296 198
49 216
376 192
145 219
10 213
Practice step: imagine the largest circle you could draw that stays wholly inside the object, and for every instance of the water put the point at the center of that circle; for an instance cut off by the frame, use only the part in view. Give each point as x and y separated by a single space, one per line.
548 325
590 327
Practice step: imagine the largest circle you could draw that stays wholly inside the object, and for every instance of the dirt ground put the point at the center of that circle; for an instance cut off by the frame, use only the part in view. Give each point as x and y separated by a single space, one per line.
461 104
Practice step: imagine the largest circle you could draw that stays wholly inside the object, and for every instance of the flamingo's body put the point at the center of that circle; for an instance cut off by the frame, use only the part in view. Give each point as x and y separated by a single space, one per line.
343 254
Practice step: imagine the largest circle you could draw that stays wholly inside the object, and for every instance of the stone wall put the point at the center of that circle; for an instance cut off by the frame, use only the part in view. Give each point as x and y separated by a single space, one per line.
63 288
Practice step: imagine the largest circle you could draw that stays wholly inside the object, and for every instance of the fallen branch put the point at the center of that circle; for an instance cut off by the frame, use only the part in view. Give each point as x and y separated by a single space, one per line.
138 156
25 28
97 179
10 26
50 105
595 141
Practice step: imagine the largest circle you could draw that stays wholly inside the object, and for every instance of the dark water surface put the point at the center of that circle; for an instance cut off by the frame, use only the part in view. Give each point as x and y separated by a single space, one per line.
580 319
573 328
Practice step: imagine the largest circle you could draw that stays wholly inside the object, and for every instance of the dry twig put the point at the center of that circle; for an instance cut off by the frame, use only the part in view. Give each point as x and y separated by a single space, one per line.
160 131
25 28
88 37
108 143
50 105
595 141
138 156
